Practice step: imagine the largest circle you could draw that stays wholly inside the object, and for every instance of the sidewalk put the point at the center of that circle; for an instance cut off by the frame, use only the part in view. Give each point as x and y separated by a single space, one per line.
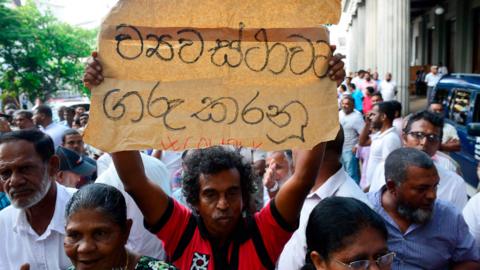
417 103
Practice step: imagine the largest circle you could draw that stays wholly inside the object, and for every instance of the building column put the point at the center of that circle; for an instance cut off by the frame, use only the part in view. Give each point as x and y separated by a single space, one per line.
370 37
360 36
394 41
352 58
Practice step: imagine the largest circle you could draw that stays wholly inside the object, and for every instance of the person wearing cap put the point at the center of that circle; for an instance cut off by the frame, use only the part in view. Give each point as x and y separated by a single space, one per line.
74 170
73 140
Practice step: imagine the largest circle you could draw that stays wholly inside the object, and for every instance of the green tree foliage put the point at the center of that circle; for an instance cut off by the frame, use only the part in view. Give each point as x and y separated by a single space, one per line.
38 54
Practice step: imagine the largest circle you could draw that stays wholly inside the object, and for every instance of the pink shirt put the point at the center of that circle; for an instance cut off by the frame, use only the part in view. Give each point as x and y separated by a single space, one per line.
367 104
366 84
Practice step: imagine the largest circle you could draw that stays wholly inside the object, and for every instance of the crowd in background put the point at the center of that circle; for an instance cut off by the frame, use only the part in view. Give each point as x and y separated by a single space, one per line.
385 191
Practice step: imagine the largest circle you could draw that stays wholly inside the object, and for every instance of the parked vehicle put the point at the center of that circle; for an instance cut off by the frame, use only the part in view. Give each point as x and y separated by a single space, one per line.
460 96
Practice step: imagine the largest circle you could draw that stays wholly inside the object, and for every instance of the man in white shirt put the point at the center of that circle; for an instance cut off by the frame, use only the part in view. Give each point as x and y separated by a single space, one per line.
42 117
357 80
332 180
432 79
352 123
423 132
381 143
33 227
388 88
450 139
471 214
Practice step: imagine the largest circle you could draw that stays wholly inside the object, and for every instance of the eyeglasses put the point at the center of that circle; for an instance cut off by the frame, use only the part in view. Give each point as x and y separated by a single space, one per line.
420 135
383 262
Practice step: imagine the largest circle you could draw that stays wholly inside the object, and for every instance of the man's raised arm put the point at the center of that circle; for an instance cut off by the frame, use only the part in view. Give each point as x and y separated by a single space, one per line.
149 197
290 197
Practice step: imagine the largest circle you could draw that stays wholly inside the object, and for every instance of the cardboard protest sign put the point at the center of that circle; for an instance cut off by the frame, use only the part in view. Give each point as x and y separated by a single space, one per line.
190 74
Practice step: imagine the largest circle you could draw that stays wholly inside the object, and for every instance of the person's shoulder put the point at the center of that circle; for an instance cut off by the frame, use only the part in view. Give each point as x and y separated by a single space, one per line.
8 212
453 177
473 204
393 137
8 215
152 161
65 192
351 189
446 210
374 199
59 126
471 212
449 127
358 115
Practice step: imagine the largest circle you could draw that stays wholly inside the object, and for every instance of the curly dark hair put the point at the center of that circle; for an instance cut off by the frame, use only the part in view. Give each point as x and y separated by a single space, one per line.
213 160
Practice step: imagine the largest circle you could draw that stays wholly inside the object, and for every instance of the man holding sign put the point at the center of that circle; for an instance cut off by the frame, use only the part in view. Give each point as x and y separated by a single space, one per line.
216 235
175 75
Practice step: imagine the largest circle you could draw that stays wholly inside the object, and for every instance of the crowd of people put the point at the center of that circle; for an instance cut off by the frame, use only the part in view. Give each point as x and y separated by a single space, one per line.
383 194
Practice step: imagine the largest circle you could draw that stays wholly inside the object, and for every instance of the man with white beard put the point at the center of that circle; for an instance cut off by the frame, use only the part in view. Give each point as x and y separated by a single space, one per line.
33 226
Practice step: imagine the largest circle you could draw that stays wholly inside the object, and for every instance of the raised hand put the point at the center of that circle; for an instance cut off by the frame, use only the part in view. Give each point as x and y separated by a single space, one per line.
93 72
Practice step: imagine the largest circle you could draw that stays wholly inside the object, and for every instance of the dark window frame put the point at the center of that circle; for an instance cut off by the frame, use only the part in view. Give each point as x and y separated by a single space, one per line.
451 109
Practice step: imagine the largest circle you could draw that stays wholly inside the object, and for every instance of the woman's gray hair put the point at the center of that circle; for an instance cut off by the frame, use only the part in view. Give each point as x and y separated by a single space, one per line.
399 160
101 197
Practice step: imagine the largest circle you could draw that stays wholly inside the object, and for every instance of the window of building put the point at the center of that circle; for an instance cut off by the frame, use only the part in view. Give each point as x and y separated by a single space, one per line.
460 106
430 46
451 40
476 41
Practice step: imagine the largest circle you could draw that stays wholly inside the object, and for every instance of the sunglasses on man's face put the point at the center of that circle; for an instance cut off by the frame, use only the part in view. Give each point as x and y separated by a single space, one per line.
421 135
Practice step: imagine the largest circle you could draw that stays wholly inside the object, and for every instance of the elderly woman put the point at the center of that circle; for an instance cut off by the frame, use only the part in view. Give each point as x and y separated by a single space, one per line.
344 233
97 230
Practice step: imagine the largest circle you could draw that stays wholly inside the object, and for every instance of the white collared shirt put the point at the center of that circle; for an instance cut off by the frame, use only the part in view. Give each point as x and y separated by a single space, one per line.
338 185
382 145
55 131
471 214
20 244
446 162
451 188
